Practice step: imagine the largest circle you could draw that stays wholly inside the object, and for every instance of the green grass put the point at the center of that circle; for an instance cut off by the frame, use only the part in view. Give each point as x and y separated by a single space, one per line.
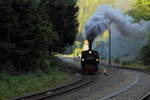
135 64
139 65
75 53
12 86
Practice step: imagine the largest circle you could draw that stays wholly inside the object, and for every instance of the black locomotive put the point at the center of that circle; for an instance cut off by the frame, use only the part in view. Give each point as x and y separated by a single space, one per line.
89 61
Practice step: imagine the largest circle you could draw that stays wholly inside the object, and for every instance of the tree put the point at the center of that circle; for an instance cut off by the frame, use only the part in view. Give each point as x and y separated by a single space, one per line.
6 31
145 54
63 15
26 34
87 8
28 28
141 11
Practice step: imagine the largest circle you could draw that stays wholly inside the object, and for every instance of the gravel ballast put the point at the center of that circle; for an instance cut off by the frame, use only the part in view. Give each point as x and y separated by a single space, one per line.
105 85
137 91
102 86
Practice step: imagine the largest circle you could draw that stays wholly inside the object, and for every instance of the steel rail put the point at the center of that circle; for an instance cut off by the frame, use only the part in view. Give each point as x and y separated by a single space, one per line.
146 96
85 80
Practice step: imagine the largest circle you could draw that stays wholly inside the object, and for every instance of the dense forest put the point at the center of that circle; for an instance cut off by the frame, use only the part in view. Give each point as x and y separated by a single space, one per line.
31 30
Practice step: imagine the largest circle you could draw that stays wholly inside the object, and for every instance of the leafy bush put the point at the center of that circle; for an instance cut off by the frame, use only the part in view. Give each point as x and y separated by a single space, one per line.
145 54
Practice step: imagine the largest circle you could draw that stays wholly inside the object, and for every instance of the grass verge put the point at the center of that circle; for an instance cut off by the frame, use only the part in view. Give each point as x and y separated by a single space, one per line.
135 64
139 65
17 85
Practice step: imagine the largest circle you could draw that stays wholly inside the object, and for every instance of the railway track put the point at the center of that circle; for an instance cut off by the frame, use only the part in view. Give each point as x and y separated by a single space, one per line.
85 80
146 96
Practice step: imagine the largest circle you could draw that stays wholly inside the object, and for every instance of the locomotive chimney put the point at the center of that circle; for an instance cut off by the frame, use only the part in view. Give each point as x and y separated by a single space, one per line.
90 44
90 39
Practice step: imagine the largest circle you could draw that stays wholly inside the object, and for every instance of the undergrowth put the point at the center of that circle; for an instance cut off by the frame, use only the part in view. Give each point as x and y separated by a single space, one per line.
17 85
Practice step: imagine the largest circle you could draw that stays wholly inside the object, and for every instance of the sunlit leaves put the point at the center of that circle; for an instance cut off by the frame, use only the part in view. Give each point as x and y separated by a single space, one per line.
141 10
87 8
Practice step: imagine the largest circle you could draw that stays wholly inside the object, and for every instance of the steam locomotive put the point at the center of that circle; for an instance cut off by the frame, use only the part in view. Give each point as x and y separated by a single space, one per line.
89 61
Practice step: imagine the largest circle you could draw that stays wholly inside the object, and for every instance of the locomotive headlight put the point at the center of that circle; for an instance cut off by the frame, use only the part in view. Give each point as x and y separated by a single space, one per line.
97 59
90 52
82 59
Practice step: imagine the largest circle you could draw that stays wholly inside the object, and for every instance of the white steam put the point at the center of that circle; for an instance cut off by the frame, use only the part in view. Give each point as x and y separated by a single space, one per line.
105 15
127 37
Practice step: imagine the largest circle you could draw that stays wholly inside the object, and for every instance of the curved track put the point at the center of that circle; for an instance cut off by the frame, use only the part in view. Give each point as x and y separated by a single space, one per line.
121 90
146 96
85 80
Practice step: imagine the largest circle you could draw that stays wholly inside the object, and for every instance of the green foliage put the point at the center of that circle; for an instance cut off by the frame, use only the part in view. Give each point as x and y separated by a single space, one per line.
141 10
30 29
77 44
26 32
145 54
31 82
117 60
64 18
77 52
87 8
